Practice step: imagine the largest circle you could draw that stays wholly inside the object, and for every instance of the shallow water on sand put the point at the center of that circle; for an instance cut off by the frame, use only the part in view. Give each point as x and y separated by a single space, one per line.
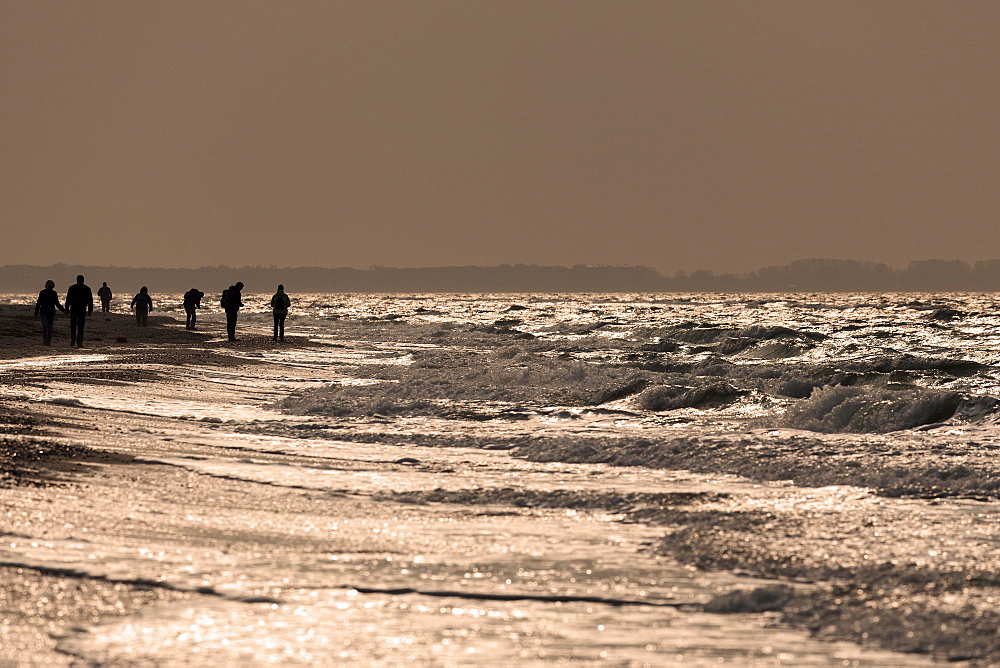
286 583
304 551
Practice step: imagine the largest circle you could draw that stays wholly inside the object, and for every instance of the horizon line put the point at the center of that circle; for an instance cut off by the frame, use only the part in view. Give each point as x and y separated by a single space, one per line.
718 272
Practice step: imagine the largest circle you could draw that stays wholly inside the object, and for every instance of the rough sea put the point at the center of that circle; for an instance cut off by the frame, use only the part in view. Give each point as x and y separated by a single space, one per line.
634 479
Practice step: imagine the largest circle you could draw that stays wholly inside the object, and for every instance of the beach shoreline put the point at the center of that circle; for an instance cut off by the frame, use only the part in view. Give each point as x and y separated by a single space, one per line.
38 606
755 533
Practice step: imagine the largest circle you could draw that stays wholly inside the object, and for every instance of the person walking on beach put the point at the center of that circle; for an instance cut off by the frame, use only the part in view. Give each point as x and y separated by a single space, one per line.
45 307
80 302
279 306
192 302
143 304
104 292
232 301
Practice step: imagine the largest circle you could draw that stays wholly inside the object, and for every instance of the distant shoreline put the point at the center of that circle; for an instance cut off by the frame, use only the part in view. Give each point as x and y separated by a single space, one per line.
817 275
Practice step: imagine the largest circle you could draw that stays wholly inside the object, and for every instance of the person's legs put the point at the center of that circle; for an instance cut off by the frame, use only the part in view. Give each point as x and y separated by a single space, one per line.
76 334
138 317
281 327
47 329
277 318
75 328
231 324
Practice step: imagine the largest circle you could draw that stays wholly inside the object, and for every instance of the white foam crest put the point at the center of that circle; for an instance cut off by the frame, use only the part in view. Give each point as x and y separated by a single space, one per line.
856 409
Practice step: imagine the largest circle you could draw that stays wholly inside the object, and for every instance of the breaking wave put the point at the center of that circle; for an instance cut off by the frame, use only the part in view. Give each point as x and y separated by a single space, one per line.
862 410
667 397
444 382
782 375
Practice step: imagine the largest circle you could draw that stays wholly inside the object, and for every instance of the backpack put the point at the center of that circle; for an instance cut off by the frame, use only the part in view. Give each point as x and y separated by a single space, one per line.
224 301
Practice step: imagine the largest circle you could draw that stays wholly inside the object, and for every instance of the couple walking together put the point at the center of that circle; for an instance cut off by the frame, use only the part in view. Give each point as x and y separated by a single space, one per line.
79 304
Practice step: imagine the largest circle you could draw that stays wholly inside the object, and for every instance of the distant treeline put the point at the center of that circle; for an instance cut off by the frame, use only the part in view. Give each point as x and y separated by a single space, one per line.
799 276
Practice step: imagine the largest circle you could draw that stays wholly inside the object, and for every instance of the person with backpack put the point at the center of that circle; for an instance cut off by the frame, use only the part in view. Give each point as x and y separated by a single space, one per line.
232 301
143 304
279 306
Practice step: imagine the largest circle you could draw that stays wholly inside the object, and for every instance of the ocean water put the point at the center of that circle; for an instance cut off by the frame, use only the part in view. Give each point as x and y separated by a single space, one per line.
562 416
846 364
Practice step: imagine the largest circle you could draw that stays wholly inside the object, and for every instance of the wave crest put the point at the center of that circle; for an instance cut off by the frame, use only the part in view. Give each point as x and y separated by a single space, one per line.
869 410
671 397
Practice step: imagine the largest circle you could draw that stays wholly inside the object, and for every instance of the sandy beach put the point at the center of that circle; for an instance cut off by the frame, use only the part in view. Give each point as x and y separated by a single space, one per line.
161 508
604 333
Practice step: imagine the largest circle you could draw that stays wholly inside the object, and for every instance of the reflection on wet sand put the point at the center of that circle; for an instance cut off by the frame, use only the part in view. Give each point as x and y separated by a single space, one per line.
588 483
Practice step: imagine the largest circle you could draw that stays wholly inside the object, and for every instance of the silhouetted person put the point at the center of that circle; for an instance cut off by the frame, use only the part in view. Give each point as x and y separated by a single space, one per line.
80 302
45 307
192 302
279 306
232 301
143 304
104 292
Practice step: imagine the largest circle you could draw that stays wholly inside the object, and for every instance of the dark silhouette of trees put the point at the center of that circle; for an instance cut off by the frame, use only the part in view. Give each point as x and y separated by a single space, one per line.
811 275
825 276
936 275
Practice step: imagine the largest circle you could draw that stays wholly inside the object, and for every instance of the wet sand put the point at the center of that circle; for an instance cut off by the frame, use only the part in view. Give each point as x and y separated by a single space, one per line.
76 479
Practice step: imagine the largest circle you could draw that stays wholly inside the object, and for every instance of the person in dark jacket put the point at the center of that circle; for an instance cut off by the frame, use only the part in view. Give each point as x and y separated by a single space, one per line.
45 307
80 302
279 306
143 304
192 302
232 301
104 292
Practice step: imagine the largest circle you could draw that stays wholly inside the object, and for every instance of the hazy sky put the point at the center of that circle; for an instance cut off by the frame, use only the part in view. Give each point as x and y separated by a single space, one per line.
680 135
